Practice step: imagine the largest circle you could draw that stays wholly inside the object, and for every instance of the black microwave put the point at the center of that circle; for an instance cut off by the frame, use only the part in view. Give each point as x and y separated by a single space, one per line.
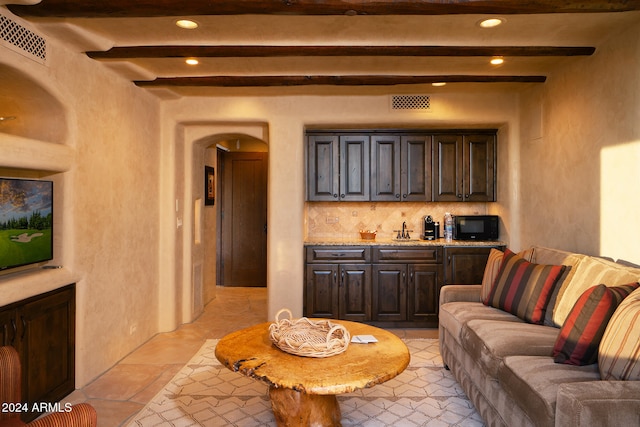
475 227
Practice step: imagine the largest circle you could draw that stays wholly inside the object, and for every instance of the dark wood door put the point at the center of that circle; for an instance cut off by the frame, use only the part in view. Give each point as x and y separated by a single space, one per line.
389 283
354 168
424 291
244 220
479 168
323 168
355 292
447 168
321 291
385 168
416 168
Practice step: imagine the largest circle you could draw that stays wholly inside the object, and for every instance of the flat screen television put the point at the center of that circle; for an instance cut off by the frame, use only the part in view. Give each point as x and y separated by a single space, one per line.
26 223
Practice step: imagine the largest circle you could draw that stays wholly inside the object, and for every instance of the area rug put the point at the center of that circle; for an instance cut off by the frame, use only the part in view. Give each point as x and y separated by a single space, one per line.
205 393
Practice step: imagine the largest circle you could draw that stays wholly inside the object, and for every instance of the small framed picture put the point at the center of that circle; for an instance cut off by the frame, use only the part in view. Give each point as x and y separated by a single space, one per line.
209 186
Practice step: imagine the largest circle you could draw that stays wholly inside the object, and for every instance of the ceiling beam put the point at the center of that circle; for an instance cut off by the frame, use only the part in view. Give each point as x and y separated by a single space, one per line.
279 51
157 8
348 80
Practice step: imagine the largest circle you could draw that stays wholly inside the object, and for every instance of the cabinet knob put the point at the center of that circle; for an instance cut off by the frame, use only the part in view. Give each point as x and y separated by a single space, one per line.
466 196
342 196
404 196
335 196
397 196
459 196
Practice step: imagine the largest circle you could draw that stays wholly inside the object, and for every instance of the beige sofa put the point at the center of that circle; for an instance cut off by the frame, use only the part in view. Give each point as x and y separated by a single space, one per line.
505 364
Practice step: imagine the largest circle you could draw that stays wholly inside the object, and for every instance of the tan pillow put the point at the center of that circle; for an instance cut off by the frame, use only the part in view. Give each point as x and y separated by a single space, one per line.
619 351
589 272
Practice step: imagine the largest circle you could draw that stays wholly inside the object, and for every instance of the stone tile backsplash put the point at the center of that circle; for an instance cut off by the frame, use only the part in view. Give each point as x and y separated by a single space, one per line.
325 220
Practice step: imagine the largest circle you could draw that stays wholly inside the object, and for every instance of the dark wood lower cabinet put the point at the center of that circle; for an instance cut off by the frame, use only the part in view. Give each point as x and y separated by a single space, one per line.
388 286
42 329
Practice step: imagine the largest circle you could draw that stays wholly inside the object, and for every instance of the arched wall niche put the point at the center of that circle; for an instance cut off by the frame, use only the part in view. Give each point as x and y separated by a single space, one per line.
30 109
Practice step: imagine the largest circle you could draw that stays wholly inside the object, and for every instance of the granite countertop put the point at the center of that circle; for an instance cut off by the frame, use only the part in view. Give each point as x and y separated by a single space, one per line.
385 241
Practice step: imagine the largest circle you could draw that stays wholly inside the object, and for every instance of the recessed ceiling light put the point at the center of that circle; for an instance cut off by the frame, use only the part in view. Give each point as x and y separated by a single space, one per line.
192 61
187 24
498 60
7 118
438 84
491 22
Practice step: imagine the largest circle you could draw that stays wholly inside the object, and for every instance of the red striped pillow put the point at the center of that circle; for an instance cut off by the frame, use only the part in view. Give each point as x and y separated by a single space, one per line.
523 288
581 333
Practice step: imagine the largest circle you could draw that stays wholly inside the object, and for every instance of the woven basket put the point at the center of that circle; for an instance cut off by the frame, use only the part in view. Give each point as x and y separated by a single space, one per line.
304 337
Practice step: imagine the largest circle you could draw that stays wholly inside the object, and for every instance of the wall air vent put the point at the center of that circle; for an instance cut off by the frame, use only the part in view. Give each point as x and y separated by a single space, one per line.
22 40
411 103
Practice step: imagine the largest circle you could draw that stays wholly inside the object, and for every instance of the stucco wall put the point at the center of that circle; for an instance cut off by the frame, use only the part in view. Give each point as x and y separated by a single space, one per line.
104 162
581 151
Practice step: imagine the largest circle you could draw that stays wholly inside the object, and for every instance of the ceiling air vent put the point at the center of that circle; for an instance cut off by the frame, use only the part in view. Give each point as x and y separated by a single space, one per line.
411 103
22 40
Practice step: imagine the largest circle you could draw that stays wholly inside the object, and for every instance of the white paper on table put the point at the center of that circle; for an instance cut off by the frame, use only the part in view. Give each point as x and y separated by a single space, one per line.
363 339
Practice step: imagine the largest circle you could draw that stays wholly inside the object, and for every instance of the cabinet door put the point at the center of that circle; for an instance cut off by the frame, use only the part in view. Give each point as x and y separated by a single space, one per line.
323 165
479 168
425 282
48 342
389 300
447 168
321 291
355 292
354 168
385 168
465 266
416 168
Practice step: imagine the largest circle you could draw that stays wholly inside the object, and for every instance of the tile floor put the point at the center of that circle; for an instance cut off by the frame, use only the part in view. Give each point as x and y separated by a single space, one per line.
124 390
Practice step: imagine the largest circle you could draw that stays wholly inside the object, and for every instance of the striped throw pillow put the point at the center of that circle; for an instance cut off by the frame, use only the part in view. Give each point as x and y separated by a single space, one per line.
619 352
523 288
490 273
580 336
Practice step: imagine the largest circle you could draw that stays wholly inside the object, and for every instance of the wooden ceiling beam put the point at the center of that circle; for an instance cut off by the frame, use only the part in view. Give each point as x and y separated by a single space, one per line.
280 51
348 80
158 8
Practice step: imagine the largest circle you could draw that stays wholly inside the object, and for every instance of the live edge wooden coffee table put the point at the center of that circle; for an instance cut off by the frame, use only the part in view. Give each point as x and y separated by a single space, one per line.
303 389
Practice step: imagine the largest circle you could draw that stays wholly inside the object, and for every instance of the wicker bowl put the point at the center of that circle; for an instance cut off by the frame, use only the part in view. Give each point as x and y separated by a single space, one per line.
304 337
368 234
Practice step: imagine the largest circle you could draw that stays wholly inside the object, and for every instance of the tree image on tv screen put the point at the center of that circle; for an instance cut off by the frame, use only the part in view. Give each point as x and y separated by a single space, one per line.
26 222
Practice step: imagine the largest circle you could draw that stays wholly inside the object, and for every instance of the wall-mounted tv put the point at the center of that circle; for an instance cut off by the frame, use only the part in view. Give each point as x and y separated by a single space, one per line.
26 222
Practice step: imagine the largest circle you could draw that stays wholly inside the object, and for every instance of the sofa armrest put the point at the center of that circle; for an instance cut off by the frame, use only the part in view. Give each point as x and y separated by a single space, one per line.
614 403
460 293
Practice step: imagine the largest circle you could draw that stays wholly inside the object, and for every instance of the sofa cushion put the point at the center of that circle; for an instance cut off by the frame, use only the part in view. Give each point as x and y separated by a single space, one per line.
533 382
453 316
581 333
590 271
619 351
490 341
523 288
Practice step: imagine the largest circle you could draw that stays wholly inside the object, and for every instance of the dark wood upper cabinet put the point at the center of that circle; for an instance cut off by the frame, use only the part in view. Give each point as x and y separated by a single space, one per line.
354 168
385 168
416 155
451 166
464 168
401 168
323 167
338 168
